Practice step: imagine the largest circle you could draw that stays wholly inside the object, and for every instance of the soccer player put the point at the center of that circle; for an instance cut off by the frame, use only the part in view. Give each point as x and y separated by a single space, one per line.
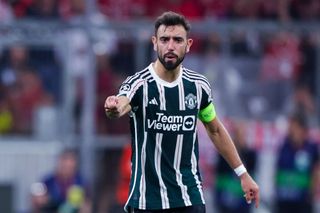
164 101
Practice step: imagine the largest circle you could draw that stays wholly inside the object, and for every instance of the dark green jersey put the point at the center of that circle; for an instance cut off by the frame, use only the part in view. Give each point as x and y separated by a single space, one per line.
165 171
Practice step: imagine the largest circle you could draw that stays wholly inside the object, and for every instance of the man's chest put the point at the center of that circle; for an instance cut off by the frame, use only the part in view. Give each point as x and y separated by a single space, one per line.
171 109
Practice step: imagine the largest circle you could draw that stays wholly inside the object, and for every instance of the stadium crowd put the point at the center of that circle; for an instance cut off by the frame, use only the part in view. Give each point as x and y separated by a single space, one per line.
286 57
127 9
266 75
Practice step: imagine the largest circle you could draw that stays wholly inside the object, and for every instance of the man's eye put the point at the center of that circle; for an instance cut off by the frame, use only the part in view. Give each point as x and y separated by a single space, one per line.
164 39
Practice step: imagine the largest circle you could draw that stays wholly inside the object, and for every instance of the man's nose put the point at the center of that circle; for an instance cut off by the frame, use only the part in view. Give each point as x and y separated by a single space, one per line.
171 44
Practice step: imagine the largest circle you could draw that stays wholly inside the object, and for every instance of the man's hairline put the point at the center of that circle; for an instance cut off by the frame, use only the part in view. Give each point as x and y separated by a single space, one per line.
172 25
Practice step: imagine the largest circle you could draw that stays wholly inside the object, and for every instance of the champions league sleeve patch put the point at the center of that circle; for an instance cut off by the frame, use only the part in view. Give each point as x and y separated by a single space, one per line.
125 88
208 113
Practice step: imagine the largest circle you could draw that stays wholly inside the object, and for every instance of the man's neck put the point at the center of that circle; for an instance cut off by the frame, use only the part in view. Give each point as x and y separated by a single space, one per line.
164 74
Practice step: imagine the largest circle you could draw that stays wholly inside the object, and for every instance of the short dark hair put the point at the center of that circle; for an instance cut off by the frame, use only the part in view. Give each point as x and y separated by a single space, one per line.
300 118
170 19
68 151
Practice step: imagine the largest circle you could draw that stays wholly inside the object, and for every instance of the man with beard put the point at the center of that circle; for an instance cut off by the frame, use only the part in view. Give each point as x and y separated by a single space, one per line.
164 101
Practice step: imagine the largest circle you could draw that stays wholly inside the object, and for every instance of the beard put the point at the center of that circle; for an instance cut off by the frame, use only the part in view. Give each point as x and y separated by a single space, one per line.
170 65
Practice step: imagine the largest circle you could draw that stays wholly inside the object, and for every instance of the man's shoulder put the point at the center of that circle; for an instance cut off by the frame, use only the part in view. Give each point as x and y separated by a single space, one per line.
138 76
194 76
134 82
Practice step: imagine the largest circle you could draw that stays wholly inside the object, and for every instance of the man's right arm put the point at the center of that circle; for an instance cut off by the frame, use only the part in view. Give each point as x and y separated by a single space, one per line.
117 106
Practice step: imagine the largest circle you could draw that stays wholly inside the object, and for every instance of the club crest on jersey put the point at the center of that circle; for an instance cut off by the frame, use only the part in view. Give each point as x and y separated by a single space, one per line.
191 101
125 87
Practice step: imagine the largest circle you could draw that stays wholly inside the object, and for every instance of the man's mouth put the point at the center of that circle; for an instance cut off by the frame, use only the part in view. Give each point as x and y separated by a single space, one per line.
170 56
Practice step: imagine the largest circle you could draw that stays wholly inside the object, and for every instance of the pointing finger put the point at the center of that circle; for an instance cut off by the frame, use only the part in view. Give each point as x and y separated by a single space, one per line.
257 199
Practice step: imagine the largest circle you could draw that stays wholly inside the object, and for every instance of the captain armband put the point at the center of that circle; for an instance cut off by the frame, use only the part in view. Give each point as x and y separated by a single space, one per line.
207 114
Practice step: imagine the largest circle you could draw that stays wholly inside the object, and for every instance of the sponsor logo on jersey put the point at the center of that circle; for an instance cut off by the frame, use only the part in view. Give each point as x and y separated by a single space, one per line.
172 122
191 101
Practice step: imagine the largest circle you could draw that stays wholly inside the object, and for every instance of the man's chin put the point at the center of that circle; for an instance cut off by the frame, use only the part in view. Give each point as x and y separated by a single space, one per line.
170 63
170 67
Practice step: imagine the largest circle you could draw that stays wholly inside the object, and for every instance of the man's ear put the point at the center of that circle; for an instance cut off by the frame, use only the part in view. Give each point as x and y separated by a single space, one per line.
154 41
189 44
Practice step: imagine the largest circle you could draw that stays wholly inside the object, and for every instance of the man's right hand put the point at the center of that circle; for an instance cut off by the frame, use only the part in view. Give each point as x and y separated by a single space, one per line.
115 106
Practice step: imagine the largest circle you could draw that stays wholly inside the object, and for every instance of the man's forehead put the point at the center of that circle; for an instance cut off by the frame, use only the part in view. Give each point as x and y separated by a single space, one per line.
176 30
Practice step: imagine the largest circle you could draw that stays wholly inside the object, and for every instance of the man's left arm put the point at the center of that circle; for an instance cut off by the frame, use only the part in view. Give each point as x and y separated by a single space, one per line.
225 146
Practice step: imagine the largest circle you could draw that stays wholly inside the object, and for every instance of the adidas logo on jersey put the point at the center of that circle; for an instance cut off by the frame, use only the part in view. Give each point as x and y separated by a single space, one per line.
153 101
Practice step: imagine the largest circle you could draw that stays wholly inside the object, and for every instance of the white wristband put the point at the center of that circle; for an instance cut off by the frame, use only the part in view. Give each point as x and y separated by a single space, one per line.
240 170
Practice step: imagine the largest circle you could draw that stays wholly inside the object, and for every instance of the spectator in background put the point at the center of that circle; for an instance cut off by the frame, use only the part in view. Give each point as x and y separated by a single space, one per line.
122 10
25 95
125 53
5 12
107 81
192 10
245 9
14 59
46 62
72 10
19 7
303 97
268 9
316 189
6 118
228 192
308 74
299 10
280 67
43 9
302 100
297 159
282 57
218 9
305 10
225 74
240 45
123 181
63 191
22 88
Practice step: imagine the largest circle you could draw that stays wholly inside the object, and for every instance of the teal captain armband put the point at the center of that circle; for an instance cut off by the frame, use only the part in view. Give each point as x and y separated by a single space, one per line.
207 114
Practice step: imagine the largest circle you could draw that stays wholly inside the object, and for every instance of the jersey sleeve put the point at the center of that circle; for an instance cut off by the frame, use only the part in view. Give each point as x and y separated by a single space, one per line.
130 88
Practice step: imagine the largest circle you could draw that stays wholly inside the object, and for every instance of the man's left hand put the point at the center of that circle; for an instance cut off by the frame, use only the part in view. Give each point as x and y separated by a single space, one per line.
250 189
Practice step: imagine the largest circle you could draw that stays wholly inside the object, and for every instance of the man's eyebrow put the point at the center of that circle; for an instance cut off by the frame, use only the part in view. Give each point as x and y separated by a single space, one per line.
174 37
177 37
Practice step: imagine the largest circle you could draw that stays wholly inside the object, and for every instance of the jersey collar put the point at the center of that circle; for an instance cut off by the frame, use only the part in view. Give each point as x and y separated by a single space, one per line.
163 82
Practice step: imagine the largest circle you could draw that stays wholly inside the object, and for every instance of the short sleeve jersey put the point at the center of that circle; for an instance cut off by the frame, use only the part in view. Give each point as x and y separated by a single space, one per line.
163 119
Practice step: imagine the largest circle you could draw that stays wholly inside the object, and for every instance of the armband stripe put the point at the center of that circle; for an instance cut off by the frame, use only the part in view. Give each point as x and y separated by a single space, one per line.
207 114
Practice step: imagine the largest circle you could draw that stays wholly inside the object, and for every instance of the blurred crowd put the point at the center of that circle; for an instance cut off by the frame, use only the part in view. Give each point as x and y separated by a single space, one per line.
265 74
285 10
274 77
29 79
62 190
